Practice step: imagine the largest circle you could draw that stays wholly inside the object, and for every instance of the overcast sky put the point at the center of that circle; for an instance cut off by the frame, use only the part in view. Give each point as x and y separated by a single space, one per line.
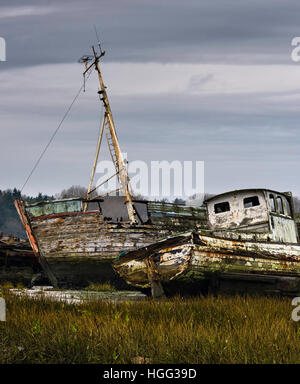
188 80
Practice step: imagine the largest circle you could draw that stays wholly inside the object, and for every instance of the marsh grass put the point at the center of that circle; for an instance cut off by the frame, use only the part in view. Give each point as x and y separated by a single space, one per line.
209 329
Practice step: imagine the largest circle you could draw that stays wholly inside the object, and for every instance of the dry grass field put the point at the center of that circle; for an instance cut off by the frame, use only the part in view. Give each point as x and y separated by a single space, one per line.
211 329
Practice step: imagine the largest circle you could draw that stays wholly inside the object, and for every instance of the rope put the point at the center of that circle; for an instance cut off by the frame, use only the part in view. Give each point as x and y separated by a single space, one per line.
54 134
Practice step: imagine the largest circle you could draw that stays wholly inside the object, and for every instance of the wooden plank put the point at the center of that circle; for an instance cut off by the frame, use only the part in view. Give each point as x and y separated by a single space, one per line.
34 243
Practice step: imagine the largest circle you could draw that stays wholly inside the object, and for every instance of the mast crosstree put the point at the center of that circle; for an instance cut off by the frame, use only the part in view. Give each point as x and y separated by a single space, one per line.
108 127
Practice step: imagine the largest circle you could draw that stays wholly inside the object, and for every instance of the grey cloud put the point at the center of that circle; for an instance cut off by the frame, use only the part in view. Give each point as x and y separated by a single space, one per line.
24 11
196 81
245 140
257 142
162 31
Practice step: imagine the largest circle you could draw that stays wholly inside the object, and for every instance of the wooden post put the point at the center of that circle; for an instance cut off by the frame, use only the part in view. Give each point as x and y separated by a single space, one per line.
157 290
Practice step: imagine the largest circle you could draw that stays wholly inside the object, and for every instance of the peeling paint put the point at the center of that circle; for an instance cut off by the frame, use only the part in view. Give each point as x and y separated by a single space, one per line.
205 256
251 239
79 247
259 218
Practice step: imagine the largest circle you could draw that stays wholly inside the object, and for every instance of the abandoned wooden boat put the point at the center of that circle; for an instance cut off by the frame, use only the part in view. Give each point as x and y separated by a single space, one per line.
18 263
75 240
77 247
251 246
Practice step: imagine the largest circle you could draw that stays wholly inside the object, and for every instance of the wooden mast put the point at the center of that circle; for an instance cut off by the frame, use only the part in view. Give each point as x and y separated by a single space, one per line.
113 144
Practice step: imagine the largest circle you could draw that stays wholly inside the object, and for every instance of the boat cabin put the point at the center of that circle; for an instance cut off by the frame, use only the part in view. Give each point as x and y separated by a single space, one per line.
110 208
113 209
256 211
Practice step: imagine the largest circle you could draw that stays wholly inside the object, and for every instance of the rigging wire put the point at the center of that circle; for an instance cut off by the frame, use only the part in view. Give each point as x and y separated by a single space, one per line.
54 133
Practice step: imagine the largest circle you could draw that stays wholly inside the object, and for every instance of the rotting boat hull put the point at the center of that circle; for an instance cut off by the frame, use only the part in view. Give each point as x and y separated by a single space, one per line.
18 263
198 262
78 248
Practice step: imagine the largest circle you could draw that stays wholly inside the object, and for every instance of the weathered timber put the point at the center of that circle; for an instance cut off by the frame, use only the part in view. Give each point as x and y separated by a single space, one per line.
254 210
34 242
201 260
79 246
18 263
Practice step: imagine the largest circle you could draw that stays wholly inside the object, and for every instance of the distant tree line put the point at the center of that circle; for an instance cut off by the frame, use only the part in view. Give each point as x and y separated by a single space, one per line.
73 191
10 223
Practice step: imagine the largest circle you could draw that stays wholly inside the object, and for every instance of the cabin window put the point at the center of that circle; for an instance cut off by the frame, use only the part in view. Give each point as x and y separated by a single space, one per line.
272 203
222 207
93 206
288 208
280 205
252 201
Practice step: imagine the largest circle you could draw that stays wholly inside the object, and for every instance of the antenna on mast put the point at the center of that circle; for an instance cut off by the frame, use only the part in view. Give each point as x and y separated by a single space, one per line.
97 36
